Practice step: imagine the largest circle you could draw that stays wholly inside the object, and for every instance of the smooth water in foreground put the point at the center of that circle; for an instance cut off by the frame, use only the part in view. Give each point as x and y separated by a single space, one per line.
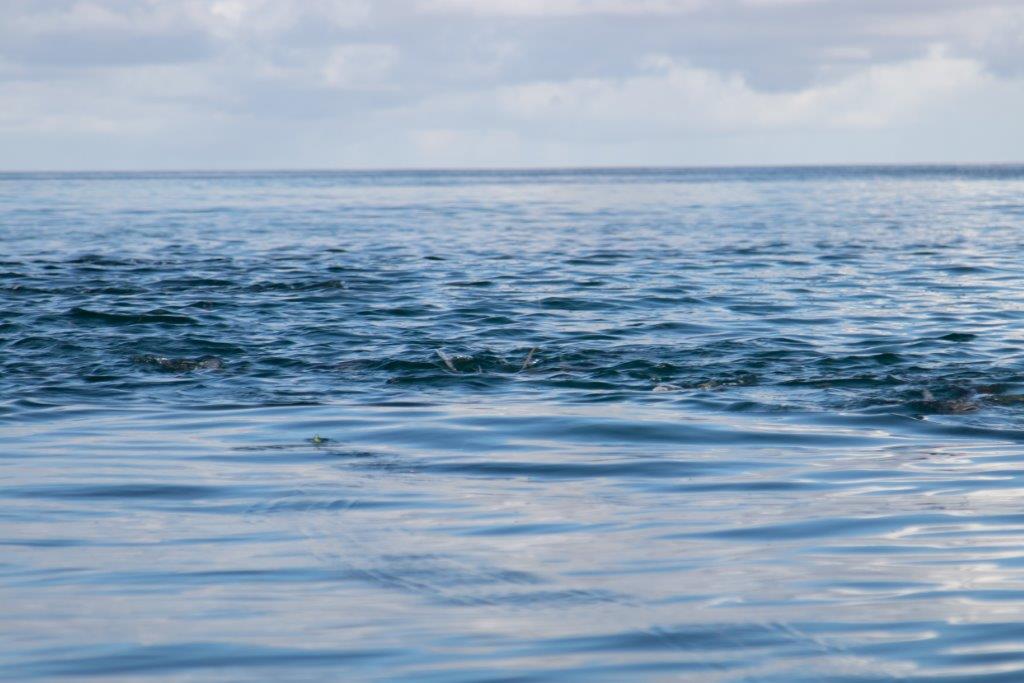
733 425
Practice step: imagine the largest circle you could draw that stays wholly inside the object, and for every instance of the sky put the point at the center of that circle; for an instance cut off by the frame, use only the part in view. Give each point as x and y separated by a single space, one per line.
294 84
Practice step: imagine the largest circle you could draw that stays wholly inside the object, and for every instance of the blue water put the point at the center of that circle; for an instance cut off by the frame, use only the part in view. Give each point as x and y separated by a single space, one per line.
660 425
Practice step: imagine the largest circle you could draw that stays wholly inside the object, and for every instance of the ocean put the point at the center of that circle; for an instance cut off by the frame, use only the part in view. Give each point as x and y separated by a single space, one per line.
739 424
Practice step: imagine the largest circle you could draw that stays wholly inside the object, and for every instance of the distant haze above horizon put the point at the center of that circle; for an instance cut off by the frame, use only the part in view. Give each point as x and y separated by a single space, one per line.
246 84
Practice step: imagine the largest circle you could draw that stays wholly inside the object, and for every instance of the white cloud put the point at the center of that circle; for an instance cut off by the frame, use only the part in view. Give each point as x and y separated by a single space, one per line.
780 3
126 101
679 96
359 66
466 147
488 82
81 16
551 8
228 17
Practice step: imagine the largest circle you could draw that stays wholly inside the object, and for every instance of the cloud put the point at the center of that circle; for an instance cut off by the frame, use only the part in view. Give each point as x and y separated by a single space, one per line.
673 96
460 147
354 66
395 82
563 8
89 34
235 18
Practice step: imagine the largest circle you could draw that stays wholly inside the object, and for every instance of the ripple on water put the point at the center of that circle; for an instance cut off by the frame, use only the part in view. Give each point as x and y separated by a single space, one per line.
578 425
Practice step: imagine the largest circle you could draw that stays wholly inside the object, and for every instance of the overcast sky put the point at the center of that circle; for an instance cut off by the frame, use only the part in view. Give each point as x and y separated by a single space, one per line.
106 84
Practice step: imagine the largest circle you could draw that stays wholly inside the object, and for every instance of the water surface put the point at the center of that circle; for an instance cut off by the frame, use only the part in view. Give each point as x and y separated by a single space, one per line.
701 425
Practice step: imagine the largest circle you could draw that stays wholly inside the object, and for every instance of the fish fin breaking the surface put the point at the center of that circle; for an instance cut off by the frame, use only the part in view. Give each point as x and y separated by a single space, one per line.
446 359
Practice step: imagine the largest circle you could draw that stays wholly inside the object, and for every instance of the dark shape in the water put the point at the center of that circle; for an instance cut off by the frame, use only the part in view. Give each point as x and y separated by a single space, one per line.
948 406
184 364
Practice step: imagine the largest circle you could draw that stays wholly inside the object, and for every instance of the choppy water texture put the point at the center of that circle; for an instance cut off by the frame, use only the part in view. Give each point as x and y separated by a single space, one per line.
734 425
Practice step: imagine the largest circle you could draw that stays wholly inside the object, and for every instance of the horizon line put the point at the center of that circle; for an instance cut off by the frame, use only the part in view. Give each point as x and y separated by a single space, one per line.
523 169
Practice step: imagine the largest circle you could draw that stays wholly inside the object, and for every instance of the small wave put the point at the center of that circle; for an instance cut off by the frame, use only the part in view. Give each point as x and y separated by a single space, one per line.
156 316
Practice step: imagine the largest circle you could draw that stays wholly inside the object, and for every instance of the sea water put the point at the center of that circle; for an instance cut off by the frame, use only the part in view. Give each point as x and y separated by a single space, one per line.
701 425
